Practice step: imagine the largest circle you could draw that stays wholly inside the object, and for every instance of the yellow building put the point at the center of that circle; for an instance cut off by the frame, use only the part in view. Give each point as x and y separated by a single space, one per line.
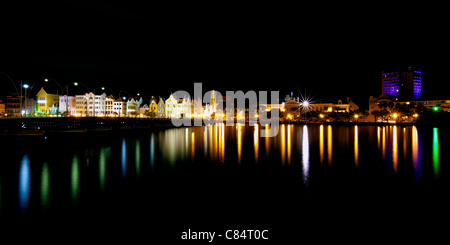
46 103
171 107
153 107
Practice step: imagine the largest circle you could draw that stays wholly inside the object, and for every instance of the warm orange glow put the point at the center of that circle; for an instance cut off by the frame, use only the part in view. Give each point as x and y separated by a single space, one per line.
256 141
289 144
415 115
321 143
289 116
395 115
356 116
283 144
394 150
321 116
330 109
356 147
330 145
239 143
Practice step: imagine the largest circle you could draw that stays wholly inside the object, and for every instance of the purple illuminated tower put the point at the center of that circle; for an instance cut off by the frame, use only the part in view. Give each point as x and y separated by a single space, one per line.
403 84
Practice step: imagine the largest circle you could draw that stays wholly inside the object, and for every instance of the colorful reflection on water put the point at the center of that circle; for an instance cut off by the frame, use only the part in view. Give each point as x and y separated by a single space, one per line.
302 148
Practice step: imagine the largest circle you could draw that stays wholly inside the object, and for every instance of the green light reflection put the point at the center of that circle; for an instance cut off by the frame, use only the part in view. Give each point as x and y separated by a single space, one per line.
435 152
75 178
45 185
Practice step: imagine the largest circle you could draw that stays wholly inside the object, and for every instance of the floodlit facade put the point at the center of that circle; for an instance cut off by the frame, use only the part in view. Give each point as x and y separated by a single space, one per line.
119 108
133 107
90 104
45 101
160 109
68 105
171 107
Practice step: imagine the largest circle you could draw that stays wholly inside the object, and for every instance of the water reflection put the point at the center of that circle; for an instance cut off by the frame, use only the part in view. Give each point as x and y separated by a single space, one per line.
193 145
124 158
289 144
394 150
239 142
45 185
152 150
305 154
256 141
137 157
416 159
75 178
435 152
383 144
330 145
267 141
356 146
321 144
102 168
283 144
24 183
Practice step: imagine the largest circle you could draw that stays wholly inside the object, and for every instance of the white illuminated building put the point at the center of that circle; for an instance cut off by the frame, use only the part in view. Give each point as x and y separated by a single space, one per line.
67 104
90 104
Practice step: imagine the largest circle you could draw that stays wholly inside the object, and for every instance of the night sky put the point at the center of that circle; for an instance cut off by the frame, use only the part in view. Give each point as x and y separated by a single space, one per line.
326 50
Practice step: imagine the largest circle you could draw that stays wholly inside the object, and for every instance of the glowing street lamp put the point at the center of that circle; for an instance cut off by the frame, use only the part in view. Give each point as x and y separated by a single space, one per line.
321 115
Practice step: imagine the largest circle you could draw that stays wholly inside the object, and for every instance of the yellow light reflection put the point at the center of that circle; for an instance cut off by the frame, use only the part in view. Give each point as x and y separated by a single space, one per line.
378 137
415 148
283 144
394 150
192 145
356 146
383 144
330 145
256 141
289 144
267 142
222 140
321 144
239 143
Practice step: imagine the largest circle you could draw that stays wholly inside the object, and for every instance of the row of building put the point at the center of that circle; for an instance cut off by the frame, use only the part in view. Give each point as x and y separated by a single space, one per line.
89 104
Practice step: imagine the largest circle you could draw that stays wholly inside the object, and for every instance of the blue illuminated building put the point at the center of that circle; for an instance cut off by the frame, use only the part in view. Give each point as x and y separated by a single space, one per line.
403 84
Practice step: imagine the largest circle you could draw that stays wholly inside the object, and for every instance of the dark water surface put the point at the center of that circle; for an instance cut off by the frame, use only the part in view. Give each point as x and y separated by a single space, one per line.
318 182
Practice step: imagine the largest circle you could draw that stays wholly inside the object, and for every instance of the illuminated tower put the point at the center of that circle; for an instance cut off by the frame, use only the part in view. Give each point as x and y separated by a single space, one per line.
403 84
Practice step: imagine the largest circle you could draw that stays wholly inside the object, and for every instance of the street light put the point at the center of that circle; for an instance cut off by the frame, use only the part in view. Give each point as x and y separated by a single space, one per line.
26 86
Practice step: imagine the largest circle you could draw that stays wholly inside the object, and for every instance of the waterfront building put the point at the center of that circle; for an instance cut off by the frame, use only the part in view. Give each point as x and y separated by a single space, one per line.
144 110
29 107
67 105
171 107
90 104
153 107
45 101
160 109
13 106
109 106
403 84
334 106
2 109
133 106
119 107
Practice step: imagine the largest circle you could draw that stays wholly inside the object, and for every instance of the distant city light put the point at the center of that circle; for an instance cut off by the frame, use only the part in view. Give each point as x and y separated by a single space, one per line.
305 103
103 88
124 98
45 80
75 83
436 108
321 115
26 86
356 116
